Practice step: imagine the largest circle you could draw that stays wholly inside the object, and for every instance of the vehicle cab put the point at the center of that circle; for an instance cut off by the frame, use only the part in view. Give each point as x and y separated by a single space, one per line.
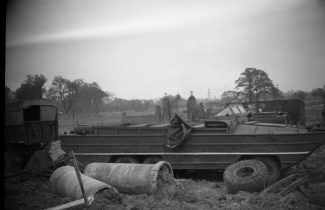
31 122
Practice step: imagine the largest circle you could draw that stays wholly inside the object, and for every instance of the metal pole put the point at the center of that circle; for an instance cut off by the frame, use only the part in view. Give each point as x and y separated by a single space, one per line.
79 178
323 112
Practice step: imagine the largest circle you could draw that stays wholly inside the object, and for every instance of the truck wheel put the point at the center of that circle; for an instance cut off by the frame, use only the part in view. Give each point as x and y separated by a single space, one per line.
246 175
152 160
126 160
273 168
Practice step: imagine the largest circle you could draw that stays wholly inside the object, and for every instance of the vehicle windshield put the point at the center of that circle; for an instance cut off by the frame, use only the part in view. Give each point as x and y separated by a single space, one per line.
232 109
235 109
241 108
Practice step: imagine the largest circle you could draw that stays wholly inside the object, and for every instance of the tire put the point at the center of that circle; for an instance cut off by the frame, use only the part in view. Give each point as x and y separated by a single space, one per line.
152 160
246 175
127 159
273 168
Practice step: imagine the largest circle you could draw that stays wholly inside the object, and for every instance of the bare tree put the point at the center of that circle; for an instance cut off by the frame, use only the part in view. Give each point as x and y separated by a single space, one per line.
65 91
254 82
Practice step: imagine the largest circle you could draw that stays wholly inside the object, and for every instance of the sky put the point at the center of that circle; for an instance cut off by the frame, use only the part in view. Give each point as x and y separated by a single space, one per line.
142 49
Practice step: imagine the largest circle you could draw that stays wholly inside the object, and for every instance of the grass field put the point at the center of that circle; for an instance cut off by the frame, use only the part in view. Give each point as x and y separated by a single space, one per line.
67 122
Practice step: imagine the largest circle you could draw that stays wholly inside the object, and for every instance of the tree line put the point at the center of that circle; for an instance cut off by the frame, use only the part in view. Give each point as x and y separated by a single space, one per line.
78 96
254 85
74 96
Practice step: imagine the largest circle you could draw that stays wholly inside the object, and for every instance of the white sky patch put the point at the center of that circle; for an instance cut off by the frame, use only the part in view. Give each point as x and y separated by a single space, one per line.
157 23
166 45
146 22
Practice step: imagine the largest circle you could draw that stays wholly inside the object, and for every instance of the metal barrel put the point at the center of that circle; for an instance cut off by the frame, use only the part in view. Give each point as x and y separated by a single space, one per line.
64 182
131 178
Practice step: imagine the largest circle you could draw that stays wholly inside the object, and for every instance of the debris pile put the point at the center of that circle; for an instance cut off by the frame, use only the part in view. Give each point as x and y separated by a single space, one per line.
35 193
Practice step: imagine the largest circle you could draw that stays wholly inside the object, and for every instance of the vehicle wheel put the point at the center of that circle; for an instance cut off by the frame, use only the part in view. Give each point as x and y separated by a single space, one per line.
152 160
246 175
273 167
127 160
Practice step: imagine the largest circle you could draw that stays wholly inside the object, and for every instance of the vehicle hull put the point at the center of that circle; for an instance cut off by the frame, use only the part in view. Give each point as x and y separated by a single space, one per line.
204 149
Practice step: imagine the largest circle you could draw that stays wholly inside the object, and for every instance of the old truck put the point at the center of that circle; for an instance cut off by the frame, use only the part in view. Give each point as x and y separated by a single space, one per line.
215 144
290 111
29 127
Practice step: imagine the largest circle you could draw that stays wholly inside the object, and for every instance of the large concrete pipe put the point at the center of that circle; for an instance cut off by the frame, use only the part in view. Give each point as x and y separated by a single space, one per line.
64 182
131 178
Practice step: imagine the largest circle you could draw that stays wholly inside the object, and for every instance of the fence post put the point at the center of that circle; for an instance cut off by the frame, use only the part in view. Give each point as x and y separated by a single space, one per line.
123 118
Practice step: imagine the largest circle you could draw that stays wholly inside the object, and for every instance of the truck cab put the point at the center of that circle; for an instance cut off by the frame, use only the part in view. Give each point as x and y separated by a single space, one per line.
29 126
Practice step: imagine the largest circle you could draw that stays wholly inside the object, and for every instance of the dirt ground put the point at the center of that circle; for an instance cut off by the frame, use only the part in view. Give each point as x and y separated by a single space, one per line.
184 193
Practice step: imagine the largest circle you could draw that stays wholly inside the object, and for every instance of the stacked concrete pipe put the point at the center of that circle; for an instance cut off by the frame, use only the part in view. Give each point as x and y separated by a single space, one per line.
64 182
131 178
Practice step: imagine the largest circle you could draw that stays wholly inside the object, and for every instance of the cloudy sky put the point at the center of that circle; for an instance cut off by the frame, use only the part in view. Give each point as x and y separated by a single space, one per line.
145 48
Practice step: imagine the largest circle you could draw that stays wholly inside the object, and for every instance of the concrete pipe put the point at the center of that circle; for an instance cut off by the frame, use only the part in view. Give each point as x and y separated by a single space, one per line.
132 178
64 182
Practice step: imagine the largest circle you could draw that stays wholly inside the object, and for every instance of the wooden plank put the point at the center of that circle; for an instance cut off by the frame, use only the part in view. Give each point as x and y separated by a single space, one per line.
251 122
160 125
138 125
278 184
271 124
294 185
77 204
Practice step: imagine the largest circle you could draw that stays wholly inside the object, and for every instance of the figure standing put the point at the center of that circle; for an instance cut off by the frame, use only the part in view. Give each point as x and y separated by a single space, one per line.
191 107
166 109
201 111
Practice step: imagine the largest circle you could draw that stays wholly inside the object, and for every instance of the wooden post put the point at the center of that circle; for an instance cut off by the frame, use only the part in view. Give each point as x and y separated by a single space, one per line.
158 114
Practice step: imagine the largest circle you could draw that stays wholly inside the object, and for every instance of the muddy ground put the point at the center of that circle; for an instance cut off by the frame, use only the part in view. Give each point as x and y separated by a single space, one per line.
189 191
